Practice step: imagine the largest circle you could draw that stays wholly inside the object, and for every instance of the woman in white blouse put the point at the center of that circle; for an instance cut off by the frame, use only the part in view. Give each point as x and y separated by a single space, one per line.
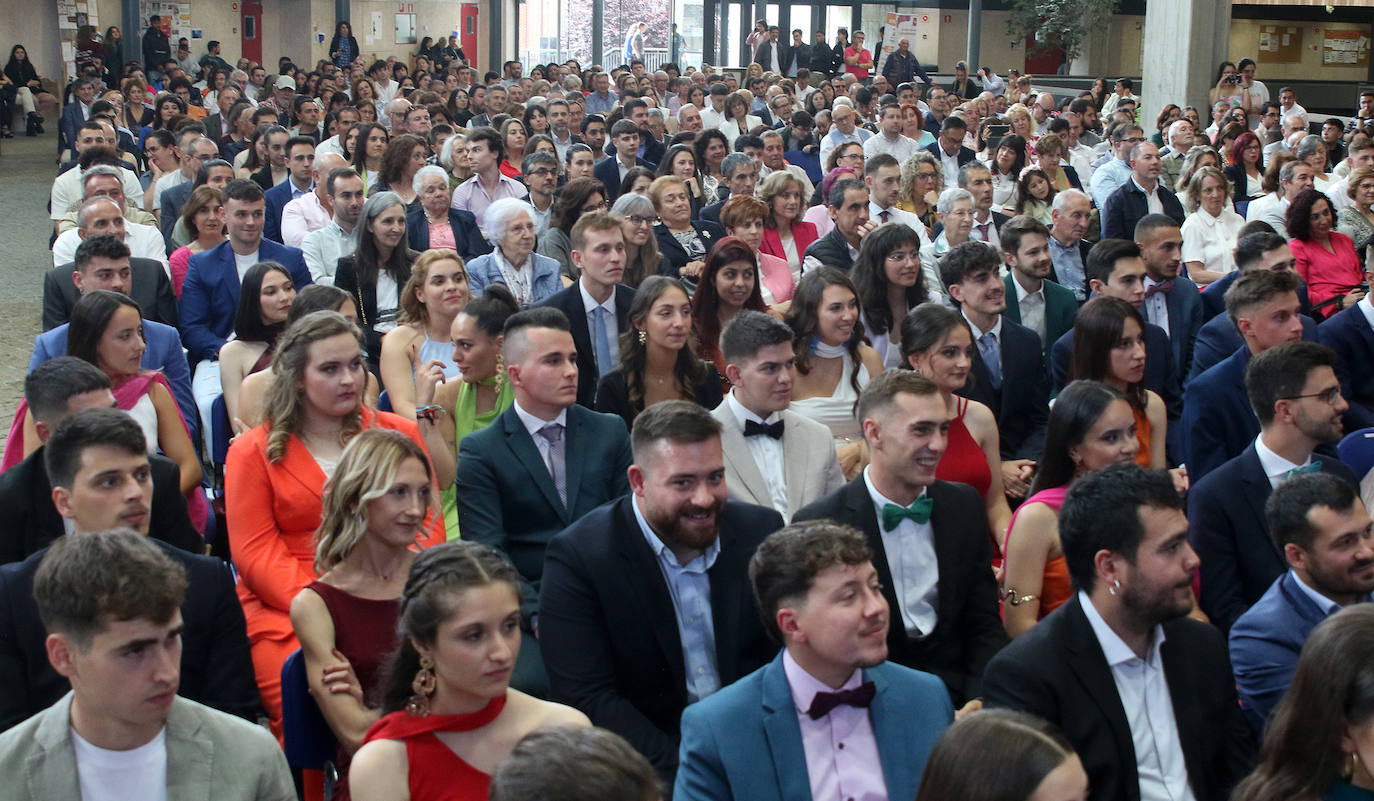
1209 233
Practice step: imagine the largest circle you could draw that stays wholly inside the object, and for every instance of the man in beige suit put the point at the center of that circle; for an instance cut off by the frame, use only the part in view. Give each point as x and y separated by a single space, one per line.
111 604
773 457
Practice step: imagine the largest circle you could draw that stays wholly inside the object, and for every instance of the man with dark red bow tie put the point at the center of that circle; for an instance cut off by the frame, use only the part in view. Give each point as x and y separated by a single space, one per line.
830 717
1172 301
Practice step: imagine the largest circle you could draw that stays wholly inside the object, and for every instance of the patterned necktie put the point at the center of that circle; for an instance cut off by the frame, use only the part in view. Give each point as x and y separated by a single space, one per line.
602 344
823 702
992 358
893 515
553 434
983 231
883 215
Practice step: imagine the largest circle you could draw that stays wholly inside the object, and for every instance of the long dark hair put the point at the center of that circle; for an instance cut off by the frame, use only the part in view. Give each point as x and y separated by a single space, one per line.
90 317
1097 330
360 145
1028 749
634 174
567 207
665 165
1332 689
803 316
438 576
366 255
688 370
702 141
1018 146
706 301
870 275
1074 413
1299 216
248 324
926 326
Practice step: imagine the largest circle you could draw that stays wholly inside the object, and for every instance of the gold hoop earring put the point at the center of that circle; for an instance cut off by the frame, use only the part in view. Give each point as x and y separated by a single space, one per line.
423 687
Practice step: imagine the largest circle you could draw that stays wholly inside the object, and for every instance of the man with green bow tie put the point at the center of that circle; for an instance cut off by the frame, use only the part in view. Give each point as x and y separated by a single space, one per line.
929 537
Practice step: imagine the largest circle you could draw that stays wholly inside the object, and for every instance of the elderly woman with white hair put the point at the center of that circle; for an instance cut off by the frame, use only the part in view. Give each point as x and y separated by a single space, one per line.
379 266
453 156
436 224
1312 150
530 277
955 210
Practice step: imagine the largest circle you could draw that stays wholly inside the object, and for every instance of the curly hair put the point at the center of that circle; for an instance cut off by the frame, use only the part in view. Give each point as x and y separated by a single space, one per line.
284 401
803 317
365 473
1299 217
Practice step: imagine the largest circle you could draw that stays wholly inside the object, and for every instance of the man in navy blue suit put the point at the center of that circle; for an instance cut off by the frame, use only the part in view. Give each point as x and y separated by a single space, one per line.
210 294
1009 373
1171 301
1350 333
611 170
300 179
1295 394
778 733
1259 250
1218 420
1324 531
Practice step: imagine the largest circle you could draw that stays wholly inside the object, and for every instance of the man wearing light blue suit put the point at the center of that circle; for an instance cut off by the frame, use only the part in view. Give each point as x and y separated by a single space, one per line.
770 736
1320 524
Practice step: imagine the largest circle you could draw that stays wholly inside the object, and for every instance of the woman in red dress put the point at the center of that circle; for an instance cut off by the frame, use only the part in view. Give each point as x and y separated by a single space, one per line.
449 715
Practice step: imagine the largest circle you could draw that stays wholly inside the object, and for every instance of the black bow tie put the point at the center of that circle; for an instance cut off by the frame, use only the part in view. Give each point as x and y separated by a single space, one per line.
822 703
753 428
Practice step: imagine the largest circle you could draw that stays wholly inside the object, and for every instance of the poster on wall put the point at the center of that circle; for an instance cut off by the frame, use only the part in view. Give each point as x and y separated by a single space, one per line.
1345 48
72 17
897 27
175 18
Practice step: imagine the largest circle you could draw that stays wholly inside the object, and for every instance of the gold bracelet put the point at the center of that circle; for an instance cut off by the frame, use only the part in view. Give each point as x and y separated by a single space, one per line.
1011 597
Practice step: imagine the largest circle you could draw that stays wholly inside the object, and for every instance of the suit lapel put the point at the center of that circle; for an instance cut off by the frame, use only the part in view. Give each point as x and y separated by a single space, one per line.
1088 663
1193 729
783 733
526 453
1013 310
796 464
859 505
1255 489
946 532
572 465
300 465
1366 332
725 577
646 582
892 733
740 458
51 769
577 321
193 756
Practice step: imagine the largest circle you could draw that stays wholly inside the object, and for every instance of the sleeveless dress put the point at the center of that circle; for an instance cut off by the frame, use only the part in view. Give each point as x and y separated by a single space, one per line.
465 421
441 352
1142 435
364 632
1055 587
837 410
435 773
963 460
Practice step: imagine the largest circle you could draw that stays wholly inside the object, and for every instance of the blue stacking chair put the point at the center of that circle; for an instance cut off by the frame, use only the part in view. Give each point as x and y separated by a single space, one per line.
383 402
1357 451
310 743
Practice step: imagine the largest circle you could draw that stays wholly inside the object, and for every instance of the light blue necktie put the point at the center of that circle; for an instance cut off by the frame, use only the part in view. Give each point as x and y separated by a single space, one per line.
992 358
604 361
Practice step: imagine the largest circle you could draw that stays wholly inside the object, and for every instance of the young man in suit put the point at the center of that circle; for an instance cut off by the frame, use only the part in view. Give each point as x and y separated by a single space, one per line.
123 731
829 714
773 457
1009 371
645 603
932 549
597 305
1328 545
210 294
541 465
1350 333
1143 693
54 390
1033 300
101 478
300 180
1142 191
1171 301
1218 419
611 170
1297 400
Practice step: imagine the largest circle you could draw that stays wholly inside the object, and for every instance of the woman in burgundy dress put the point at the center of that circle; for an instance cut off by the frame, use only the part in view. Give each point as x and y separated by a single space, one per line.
450 716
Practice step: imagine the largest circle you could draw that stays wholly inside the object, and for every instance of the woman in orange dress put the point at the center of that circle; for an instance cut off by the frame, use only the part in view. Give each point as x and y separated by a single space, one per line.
1091 426
1109 346
275 476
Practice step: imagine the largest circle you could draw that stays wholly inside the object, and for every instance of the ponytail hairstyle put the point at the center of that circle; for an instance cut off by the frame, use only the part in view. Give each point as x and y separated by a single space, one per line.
438 578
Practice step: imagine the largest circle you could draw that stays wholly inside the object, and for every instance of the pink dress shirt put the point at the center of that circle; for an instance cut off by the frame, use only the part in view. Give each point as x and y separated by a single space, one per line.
842 761
301 216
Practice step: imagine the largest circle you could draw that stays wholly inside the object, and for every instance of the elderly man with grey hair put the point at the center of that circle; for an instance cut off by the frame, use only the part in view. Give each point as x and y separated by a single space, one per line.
540 169
396 111
93 185
741 175
530 277
689 118
1294 178
104 214
1179 140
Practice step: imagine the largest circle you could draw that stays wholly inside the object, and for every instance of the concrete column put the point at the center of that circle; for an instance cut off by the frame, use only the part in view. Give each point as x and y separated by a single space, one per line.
975 36
598 25
1092 59
133 28
1183 42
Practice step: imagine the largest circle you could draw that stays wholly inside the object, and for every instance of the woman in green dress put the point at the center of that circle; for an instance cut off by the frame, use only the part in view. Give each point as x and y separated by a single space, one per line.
481 393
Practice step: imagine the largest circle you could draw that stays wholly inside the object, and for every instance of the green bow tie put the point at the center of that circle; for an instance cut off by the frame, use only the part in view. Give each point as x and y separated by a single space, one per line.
918 511
1314 467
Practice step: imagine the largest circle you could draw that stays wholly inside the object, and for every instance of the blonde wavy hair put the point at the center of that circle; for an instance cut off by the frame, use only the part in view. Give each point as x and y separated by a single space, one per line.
284 397
365 473
775 184
413 312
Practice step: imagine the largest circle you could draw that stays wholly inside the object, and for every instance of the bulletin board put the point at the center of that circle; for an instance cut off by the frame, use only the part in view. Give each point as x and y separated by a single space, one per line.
1345 48
1280 44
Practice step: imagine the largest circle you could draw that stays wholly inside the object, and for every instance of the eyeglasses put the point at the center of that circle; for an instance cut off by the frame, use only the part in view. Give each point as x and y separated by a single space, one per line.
924 176
903 255
849 156
602 206
542 171
1328 396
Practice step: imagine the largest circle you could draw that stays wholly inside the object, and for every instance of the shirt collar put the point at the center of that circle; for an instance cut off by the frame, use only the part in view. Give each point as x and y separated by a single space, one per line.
804 686
1328 606
743 415
701 564
589 302
1022 293
880 500
996 329
1367 307
1275 467
1054 243
1137 185
1114 648
533 424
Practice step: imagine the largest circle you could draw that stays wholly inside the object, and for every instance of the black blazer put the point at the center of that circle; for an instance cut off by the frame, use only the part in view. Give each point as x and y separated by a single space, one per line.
149 287
1227 527
365 301
1236 174
711 212
216 668
1057 671
569 301
1214 296
608 632
674 256
31 522
1126 206
1348 333
965 154
969 629
466 234
613 394
1022 406
608 173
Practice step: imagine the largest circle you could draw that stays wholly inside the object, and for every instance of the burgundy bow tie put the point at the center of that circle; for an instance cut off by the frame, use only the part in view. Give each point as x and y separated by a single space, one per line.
822 703
1165 286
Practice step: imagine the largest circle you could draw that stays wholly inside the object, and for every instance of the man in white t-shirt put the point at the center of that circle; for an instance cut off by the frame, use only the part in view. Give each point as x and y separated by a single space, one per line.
122 732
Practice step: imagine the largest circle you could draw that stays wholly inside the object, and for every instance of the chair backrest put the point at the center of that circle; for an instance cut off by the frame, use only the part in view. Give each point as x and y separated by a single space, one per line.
310 743
221 428
1357 451
383 402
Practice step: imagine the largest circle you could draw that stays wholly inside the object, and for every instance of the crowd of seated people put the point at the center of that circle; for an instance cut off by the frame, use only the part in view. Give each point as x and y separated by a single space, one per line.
643 434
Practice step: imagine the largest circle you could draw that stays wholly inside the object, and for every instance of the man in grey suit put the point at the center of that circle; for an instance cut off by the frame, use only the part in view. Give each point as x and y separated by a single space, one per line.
122 732
773 457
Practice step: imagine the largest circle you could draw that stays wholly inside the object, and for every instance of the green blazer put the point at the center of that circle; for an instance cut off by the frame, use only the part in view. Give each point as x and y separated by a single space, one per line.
210 755
1060 309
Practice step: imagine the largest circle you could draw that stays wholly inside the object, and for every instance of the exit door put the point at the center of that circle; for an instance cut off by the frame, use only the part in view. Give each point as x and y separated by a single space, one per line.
467 32
251 29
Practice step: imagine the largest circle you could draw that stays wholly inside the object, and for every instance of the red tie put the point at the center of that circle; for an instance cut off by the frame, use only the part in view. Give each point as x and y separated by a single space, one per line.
883 215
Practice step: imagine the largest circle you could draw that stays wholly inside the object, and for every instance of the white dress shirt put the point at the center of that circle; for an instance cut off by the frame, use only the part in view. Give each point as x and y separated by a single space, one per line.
323 249
1156 307
65 196
1275 467
532 424
1211 240
1032 306
1273 209
900 148
144 241
988 235
910 551
1144 692
1152 201
950 164
767 453
710 118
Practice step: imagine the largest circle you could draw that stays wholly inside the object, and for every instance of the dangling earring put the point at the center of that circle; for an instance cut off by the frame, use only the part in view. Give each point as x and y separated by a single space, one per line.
642 336
500 371
423 687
